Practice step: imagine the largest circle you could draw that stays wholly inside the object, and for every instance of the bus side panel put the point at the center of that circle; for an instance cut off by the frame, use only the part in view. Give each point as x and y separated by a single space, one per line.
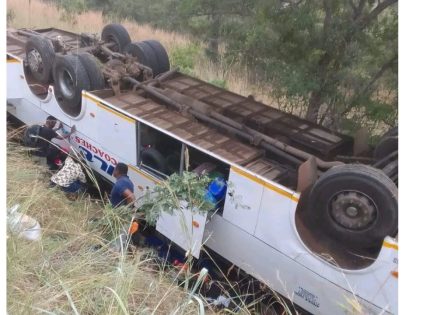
183 228
26 111
87 123
292 280
118 133
376 283
274 226
242 203
14 79
142 182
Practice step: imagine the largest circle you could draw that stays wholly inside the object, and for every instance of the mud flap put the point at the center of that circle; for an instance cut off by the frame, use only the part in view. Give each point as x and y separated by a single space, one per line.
184 228
308 174
361 142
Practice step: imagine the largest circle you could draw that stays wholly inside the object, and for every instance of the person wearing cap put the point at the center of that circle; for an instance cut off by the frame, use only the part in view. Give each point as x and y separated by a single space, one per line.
123 191
70 178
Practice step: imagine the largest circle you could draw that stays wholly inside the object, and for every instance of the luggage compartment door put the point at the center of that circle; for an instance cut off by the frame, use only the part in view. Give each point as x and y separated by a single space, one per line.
184 228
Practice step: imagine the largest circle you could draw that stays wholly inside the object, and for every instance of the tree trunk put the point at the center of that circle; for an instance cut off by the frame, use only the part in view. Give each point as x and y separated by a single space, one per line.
314 107
213 42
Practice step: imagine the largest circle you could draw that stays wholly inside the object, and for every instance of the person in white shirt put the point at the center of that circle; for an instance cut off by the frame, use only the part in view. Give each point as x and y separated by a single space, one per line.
71 177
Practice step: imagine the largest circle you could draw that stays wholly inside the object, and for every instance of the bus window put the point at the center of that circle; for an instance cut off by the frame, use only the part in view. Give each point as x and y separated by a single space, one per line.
218 171
158 153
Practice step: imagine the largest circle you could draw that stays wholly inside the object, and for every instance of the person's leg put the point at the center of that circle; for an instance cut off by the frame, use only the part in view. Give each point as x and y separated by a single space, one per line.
51 155
73 188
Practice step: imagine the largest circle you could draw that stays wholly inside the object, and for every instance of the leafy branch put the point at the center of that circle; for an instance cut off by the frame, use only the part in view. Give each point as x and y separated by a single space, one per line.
178 192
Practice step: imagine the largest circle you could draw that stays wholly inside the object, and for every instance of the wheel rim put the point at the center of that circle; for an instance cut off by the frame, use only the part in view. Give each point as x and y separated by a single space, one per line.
115 48
35 61
66 84
353 210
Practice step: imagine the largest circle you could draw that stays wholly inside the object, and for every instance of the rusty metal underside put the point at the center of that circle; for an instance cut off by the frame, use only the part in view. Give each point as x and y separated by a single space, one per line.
208 138
16 41
280 125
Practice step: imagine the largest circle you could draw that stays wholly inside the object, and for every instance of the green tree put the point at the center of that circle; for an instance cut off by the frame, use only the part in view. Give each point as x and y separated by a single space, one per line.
336 60
340 54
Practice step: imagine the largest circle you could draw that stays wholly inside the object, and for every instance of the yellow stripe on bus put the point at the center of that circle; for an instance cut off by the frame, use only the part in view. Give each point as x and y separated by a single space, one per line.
265 184
390 245
13 60
106 108
137 170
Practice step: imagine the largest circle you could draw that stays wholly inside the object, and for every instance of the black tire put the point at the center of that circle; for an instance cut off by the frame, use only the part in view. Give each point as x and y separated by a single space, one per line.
90 63
392 132
145 55
118 34
31 134
161 54
392 171
371 189
70 79
40 46
386 146
154 159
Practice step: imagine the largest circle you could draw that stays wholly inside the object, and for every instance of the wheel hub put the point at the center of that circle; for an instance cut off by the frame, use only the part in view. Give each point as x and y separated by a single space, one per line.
35 61
353 210
67 85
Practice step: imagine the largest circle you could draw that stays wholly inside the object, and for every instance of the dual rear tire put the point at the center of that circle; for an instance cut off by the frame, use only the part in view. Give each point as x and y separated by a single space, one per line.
72 74
152 54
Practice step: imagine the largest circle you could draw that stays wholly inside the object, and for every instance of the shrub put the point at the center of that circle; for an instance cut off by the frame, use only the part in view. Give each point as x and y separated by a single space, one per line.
184 57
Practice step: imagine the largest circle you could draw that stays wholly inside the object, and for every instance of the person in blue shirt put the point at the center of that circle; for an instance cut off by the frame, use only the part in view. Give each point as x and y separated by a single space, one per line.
123 191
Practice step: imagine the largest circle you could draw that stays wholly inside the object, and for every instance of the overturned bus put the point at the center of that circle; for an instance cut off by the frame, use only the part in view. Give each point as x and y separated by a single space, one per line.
321 218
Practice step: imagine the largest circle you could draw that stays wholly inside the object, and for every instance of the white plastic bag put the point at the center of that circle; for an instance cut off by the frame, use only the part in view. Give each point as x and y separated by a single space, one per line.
23 225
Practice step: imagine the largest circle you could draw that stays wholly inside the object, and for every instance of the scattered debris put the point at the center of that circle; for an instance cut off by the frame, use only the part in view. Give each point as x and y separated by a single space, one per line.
23 225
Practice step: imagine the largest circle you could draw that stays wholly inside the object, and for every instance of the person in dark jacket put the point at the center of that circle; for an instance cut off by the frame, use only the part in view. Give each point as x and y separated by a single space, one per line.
47 133
45 147
123 191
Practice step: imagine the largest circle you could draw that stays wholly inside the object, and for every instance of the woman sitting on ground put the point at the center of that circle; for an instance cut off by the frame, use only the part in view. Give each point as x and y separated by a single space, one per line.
70 178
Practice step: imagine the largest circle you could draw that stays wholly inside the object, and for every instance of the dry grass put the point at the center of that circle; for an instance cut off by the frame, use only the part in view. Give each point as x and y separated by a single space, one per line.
62 273
38 14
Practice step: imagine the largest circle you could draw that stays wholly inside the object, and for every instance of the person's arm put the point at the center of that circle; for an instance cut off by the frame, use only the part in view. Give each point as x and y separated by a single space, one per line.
66 137
128 196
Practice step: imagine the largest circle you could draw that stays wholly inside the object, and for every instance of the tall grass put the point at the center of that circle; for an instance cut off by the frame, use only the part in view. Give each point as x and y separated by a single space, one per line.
72 269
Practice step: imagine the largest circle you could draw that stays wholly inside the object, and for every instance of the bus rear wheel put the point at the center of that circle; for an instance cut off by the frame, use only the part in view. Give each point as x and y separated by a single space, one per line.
117 34
161 55
94 72
40 55
388 144
144 54
70 78
355 204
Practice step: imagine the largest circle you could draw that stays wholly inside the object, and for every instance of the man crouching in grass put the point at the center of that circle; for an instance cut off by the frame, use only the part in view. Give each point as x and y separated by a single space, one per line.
70 178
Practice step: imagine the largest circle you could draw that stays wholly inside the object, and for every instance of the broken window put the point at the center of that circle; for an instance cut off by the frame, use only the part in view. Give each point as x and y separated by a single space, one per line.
158 153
